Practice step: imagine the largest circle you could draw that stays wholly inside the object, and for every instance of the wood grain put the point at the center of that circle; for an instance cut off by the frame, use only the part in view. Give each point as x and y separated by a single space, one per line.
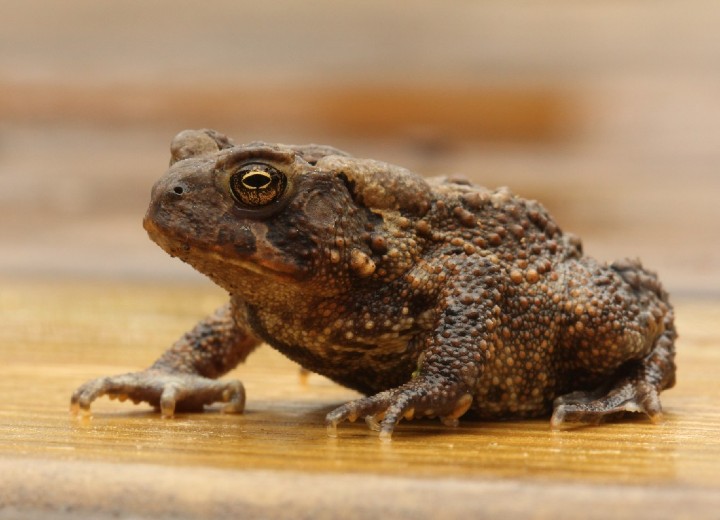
276 459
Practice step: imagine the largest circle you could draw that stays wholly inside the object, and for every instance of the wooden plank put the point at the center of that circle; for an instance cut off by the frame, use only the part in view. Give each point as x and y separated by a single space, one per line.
276 459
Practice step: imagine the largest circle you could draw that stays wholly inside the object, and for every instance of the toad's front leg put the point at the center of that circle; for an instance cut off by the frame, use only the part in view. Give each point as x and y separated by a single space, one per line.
424 395
184 377
448 370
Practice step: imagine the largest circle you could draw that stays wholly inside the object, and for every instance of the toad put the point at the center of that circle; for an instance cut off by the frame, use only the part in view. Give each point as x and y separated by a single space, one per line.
433 297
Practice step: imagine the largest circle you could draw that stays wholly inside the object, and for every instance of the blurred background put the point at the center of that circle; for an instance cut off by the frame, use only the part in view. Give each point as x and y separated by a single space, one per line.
608 112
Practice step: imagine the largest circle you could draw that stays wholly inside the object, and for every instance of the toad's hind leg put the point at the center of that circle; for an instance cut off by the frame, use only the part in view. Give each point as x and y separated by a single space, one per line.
639 382
636 392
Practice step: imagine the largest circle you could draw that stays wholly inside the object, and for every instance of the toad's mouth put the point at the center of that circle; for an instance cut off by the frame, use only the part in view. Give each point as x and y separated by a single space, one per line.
254 252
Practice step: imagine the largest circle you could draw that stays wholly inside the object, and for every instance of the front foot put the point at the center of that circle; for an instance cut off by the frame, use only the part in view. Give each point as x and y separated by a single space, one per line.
578 408
163 390
417 398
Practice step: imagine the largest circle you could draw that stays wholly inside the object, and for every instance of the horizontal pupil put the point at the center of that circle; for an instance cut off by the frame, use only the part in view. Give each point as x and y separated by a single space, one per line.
256 180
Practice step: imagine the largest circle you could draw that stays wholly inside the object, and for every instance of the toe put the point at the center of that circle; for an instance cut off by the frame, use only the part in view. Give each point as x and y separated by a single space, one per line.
83 397
234 396
372 408
168 400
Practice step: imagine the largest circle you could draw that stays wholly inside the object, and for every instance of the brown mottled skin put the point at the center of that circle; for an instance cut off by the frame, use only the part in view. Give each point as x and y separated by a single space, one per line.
433 297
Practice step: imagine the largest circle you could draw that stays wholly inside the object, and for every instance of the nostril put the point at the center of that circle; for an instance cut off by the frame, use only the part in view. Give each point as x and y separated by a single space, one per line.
175 189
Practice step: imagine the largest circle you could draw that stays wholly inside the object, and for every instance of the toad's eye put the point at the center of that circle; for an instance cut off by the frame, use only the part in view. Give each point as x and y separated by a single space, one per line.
257 185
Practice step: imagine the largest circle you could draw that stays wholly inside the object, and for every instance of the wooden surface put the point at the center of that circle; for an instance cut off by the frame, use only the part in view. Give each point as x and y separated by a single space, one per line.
277 461
607 113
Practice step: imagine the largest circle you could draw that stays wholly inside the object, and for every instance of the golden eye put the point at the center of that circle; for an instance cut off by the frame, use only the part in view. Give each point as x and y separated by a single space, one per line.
257 185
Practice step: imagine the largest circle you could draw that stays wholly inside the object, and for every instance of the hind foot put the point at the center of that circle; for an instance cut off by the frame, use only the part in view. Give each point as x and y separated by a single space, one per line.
579 408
